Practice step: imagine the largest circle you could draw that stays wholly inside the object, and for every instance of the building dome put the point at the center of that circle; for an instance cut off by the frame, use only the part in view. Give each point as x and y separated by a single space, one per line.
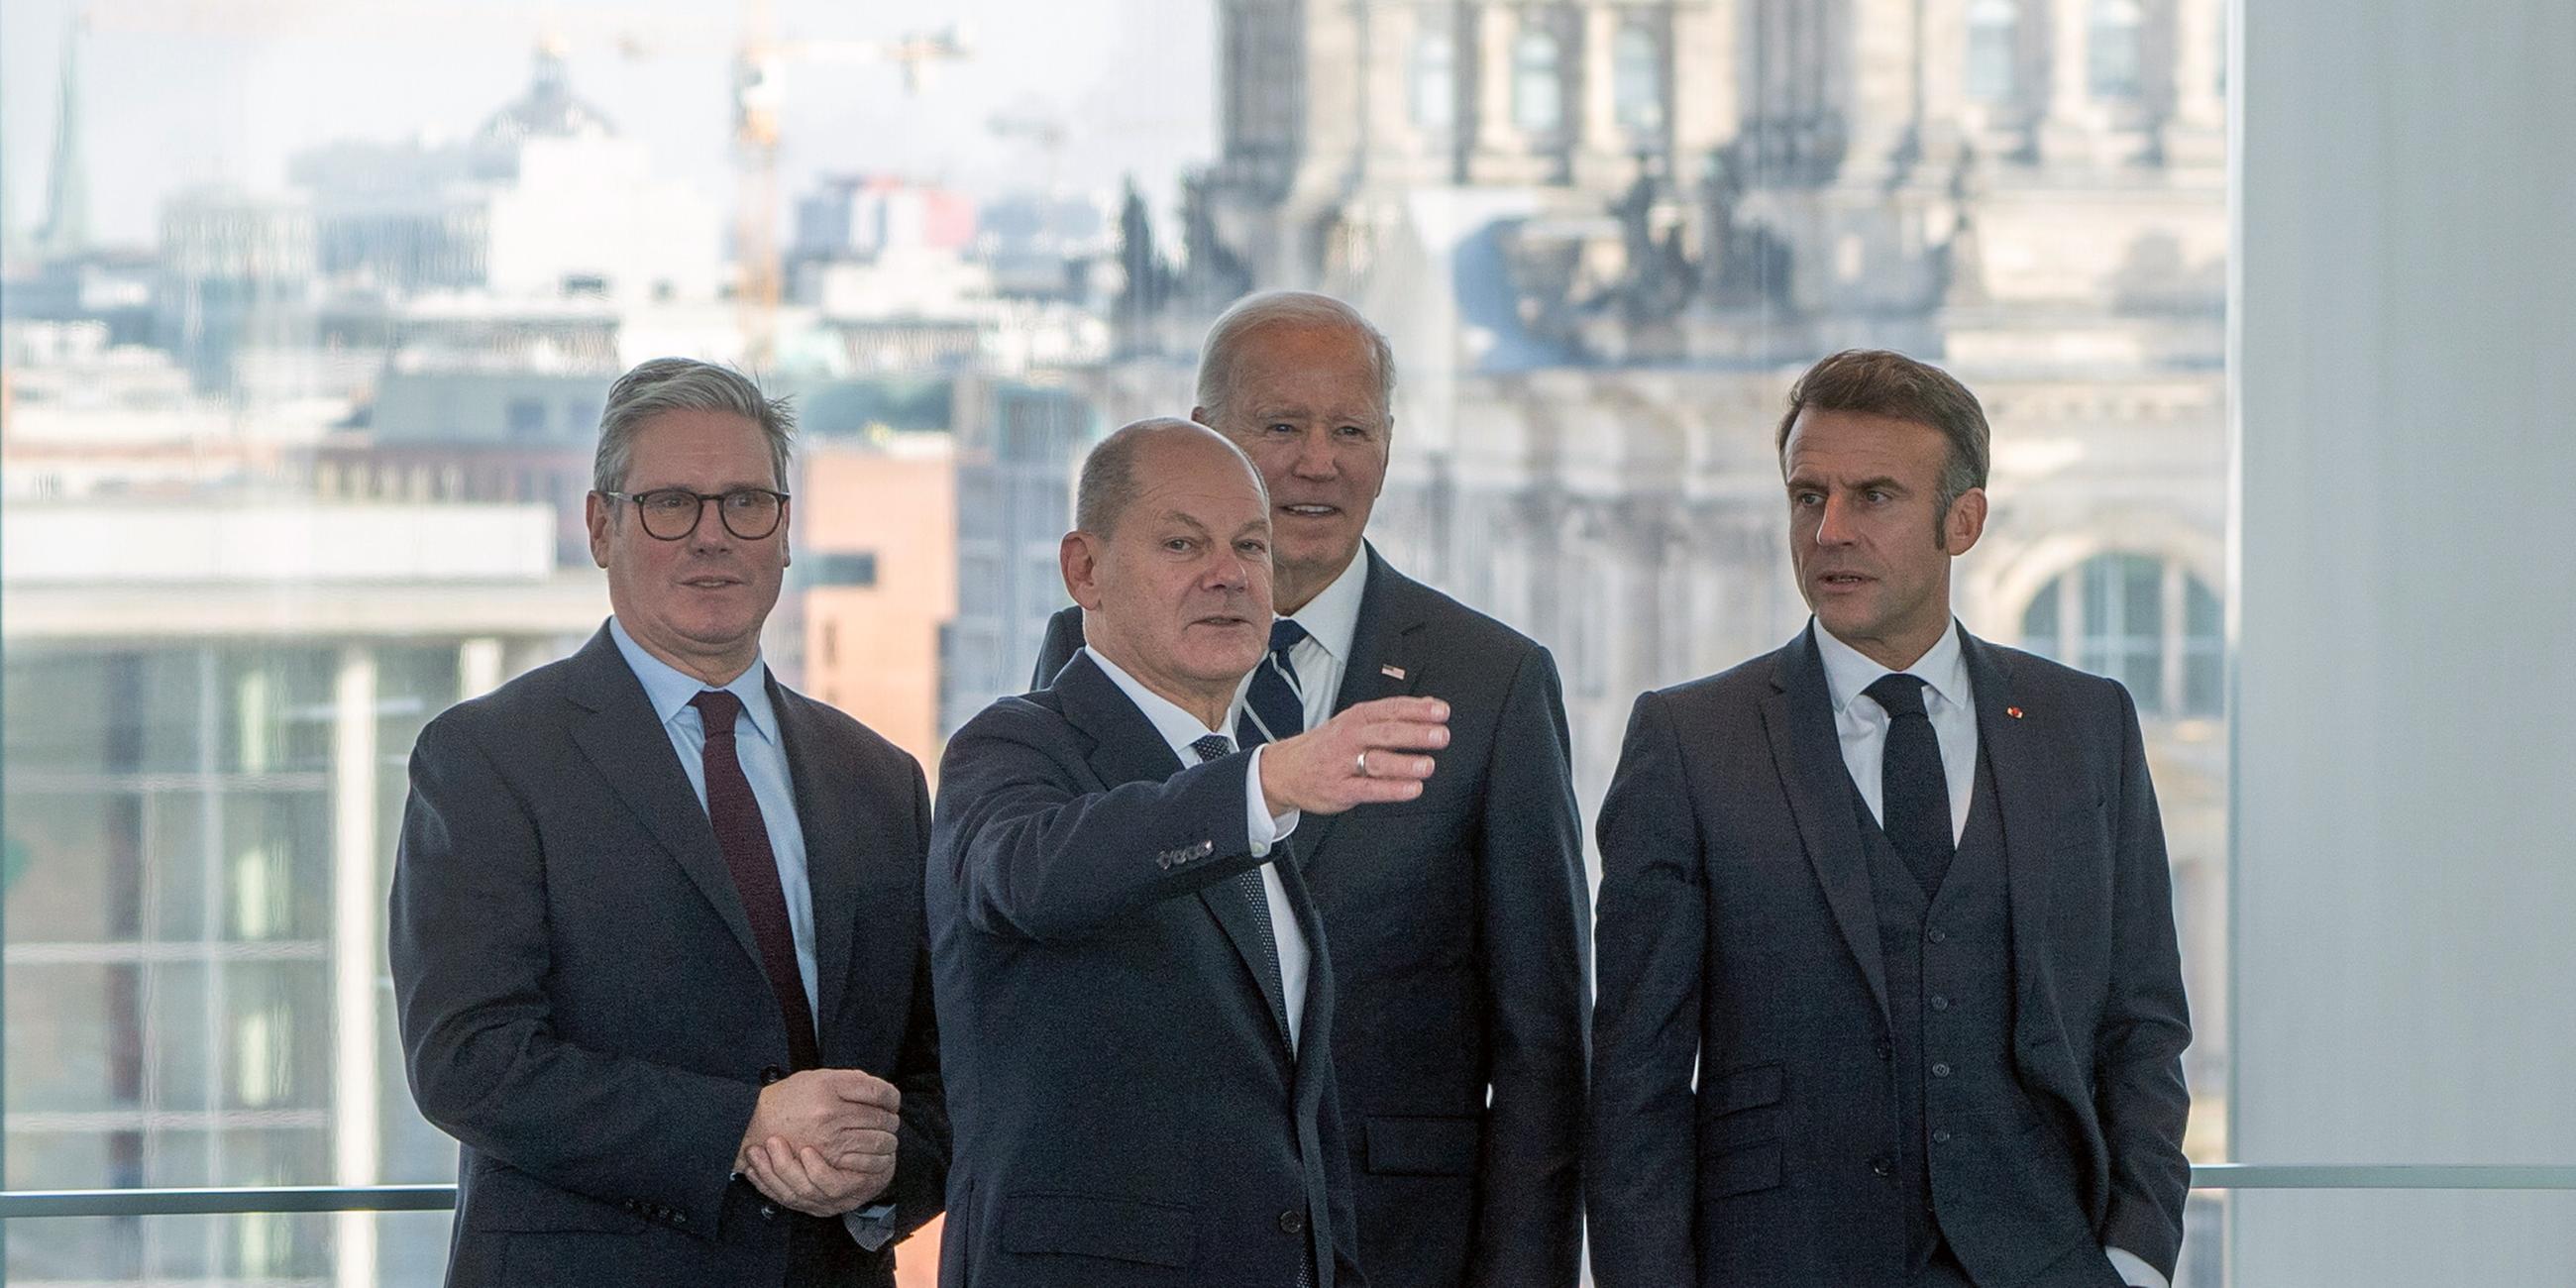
547 111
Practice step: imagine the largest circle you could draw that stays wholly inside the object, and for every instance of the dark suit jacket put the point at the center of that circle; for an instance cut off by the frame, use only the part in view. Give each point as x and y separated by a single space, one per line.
1460 924
1127 1109
1739 943
582 1002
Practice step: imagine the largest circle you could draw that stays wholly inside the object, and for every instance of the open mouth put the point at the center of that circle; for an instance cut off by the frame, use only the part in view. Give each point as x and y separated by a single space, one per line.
1842 580
1311 511
711 583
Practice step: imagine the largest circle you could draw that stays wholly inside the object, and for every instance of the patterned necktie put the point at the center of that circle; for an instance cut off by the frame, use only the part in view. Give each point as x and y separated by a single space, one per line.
1256 900
1914 791
743 836
1275 706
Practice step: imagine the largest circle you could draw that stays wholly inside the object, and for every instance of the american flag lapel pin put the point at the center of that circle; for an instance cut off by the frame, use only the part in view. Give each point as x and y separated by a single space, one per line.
1391 672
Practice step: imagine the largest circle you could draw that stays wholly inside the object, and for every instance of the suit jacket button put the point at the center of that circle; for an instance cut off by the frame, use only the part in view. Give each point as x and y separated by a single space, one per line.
679 1218
770 1074
1292 1222
1882 1167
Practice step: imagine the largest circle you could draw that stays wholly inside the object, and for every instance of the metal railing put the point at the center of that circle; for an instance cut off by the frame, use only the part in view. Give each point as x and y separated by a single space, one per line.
30 1204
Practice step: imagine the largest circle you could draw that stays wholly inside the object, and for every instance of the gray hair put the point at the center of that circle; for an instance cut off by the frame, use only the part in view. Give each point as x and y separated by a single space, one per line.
1225 340
1109 485
685 384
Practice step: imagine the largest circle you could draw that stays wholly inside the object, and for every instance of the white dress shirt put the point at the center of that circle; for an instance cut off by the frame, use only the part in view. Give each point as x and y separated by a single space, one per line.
1951 704
1862 724
1180 729
762 753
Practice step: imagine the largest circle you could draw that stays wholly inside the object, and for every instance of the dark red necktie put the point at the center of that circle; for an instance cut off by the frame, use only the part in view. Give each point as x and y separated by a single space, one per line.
743 836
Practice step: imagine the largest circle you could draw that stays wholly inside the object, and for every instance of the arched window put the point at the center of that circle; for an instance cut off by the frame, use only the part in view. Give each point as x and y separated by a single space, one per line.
1435 80
1994 50
2114 49
1637 80
2146 622
1538 82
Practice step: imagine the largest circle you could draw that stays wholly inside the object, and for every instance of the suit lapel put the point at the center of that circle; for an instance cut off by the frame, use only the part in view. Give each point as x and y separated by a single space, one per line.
631 751
1387 637
1126 748
2023 807
1798 719
832 848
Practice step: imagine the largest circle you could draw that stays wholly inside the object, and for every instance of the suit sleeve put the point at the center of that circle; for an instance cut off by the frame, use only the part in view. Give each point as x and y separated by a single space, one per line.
2138 1090
1536 910
922 1143
470 953
1031 856
1063 639
1640 1154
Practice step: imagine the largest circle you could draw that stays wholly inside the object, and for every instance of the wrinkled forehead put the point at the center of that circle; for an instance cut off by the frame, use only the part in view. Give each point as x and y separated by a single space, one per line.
1840 445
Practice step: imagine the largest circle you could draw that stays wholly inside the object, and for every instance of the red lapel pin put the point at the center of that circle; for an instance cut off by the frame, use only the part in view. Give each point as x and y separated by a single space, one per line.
2014 712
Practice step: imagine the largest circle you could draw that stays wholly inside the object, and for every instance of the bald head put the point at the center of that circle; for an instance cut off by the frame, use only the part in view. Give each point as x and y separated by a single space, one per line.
1117 470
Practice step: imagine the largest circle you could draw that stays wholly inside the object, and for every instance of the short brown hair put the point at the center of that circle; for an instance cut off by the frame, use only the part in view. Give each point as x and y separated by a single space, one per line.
1878 382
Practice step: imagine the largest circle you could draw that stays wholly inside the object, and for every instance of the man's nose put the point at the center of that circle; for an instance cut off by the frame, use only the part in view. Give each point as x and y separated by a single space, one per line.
1315 459
1833 526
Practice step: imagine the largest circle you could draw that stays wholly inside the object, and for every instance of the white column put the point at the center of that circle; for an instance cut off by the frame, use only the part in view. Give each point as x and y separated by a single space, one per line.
1593 105
2197 131
2404 971
2069 124
357 1144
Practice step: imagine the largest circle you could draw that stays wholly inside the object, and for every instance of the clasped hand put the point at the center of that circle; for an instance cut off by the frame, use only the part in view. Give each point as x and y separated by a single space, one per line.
822 1141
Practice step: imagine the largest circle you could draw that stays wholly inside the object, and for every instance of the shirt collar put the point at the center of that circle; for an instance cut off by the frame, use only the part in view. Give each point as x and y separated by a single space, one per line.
669 688
1943 668
1332 617
1179 728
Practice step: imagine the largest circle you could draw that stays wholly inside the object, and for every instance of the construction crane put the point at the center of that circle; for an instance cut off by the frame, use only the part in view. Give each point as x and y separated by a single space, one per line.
759 94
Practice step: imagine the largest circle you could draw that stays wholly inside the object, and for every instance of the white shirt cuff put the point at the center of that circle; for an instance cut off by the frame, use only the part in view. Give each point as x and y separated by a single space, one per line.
2135 1269
1263 827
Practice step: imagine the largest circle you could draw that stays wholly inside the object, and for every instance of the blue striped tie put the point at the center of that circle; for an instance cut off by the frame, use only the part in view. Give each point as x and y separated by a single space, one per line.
1275 708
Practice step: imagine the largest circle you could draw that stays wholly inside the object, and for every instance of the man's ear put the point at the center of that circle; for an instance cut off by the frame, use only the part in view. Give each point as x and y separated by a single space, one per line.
595 515
1078 556
1965 523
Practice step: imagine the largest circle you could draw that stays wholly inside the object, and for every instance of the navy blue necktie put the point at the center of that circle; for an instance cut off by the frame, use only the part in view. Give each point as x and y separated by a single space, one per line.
1275 706
1256 900
1914 791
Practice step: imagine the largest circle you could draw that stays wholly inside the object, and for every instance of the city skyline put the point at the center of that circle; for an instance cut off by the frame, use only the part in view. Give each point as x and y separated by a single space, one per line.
167 105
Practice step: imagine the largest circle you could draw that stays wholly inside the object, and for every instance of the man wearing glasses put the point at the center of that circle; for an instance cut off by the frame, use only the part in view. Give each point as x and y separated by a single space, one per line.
656 927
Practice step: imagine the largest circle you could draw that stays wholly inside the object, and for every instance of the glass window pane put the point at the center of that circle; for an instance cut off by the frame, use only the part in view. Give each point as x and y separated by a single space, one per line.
1538 82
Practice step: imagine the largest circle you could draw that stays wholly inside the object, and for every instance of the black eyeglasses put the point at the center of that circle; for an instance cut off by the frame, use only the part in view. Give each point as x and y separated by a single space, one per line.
671 513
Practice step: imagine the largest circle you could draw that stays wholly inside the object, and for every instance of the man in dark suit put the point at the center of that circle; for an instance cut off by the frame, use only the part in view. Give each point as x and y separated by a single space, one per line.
1136 999
1459 920
1889 987
656 933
